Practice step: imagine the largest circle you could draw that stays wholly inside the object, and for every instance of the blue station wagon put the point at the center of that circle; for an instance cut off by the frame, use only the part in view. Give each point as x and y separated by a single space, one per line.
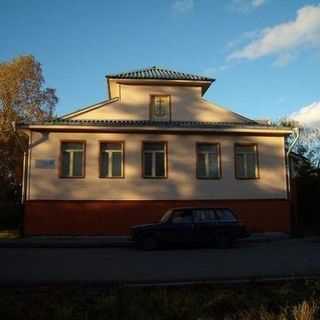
218 227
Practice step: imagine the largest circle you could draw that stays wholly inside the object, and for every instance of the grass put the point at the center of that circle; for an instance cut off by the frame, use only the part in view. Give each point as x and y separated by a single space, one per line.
10 220
6 234
288 301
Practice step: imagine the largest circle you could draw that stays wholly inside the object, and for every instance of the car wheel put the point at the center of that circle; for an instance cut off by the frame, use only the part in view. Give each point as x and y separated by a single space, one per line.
223 241
149 243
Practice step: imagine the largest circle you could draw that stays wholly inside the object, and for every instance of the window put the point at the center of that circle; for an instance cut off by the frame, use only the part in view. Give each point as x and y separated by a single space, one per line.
225 215
111 160
182 216
246 161
72 159
208 161
154 159
204 215
160 108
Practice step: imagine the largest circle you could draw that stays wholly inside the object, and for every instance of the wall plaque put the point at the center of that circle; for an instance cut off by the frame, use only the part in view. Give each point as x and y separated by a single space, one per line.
45 164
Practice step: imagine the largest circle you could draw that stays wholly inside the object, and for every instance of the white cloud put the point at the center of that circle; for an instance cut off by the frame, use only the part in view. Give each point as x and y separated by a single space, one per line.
258 3
213 71
183 6
245 6
308 116
244 37
284 59
285 37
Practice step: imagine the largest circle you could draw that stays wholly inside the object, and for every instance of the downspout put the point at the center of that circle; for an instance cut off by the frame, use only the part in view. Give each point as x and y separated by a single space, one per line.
293 143
24 173
295 140
293 204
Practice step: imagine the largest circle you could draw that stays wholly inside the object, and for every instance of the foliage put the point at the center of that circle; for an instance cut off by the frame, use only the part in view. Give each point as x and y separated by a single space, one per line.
292 300
22 98
308 144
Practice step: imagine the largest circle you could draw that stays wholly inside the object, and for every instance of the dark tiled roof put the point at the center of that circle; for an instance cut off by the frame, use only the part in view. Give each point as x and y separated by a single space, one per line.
155 124
159 73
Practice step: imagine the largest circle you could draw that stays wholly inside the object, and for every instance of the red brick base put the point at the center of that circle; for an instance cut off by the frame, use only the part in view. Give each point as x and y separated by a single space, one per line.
115 217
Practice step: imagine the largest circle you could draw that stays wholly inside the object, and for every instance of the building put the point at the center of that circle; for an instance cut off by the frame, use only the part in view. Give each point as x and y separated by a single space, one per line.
153 145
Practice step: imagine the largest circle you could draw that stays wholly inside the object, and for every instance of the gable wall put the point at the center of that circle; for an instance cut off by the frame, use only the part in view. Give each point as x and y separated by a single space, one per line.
186 105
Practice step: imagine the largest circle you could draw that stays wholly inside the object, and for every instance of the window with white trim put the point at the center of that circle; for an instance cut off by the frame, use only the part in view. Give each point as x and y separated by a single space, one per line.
246 161
72 159
208 161
154 160
111 160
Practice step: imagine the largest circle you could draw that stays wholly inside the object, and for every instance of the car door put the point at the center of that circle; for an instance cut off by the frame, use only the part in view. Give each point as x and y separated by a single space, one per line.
204 224
226 220
180 227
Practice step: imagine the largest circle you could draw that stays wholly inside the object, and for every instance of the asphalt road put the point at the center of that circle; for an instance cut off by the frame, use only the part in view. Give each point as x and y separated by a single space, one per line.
50 266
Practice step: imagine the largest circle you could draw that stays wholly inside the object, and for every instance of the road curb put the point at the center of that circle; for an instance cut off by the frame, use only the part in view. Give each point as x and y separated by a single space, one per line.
225 283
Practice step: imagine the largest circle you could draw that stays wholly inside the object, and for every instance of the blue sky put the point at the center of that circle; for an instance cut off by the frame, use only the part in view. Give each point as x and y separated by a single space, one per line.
265 54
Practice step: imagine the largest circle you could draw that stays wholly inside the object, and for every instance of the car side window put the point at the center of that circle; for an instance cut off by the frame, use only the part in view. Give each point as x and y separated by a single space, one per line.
182 216
225 215
204 215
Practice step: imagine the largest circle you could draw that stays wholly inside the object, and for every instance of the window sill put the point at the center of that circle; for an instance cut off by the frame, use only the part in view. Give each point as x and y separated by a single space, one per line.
155 178
209 178
122 177
82 177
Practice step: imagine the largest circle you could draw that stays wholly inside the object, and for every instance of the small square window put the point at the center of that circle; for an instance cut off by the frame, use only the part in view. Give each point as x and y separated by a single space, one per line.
160 108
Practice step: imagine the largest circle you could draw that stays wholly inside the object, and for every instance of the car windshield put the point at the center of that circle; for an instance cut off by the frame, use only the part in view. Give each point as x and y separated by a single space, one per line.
166 216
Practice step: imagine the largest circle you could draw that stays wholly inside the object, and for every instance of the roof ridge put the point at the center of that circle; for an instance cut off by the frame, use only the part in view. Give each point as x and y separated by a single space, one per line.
132 71
159 72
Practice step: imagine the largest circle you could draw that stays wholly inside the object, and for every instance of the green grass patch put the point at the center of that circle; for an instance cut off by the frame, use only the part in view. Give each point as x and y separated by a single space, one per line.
292 300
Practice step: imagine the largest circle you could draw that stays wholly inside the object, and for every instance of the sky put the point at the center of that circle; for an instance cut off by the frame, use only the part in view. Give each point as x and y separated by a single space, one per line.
264 54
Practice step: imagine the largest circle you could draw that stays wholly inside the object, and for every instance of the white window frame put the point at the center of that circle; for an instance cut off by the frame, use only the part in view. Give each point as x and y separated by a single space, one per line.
71 153
110 153
245 154
153 159
206 160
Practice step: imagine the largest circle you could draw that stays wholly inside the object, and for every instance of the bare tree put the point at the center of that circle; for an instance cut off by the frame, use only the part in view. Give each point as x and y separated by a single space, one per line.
308 144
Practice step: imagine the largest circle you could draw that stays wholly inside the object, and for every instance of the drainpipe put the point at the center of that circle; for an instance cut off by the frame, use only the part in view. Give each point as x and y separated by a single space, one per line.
295 224
293 143
295 140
